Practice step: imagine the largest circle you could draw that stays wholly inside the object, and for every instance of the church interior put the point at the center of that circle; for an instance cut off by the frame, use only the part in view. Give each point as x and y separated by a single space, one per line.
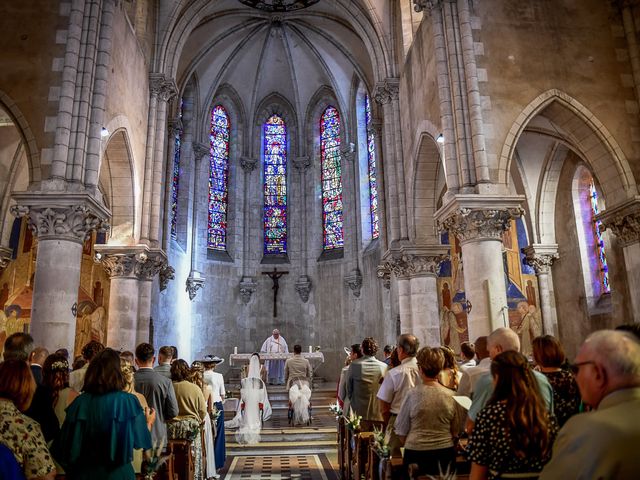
199 172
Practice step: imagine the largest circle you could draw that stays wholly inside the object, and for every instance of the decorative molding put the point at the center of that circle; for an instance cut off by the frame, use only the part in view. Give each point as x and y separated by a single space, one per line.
168 90
6 255
195 282
413 260
71 217
167 273
138 261
541 263
383 272
301 163
156 83
428 5
479 217
200 150
248 164
354 281
247 287
623 221
303 287
386 91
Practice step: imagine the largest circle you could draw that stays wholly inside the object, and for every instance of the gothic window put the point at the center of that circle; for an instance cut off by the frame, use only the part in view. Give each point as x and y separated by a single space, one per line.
331 178
275 186
218 179
373 184
601 258
175 180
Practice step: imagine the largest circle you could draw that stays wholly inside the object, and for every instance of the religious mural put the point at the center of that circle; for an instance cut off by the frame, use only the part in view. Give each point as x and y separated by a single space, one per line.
16 289
521 285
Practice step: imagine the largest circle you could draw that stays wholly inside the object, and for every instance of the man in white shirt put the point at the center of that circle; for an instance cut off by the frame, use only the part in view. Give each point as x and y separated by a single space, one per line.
471 374
397 382
275 368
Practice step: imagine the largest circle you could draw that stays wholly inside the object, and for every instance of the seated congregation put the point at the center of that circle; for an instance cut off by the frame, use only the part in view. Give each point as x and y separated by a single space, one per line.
493 413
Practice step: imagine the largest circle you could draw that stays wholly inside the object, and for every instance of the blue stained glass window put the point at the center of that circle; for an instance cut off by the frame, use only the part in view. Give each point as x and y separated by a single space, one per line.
331 178
599 240
218 179
373 183
175 181
275 186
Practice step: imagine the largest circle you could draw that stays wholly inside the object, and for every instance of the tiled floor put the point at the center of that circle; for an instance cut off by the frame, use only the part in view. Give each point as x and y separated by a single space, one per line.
272 467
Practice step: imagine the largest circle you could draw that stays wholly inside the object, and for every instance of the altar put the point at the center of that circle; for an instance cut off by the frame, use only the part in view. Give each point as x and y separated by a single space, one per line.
240 359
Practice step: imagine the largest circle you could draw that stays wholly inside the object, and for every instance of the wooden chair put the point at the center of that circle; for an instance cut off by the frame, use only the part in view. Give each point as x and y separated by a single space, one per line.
183 458
390 468
342 447
362 441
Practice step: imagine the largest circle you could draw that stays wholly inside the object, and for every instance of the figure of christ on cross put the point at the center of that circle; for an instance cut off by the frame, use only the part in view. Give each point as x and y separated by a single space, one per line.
275 276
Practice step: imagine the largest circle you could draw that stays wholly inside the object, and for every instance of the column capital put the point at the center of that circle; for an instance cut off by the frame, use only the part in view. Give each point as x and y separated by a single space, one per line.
623 220
303 287
412 260
375 128
354 281
248 164
200 150
479 217
386 90
247 286
6 255
168 90
167 273
156 83
135 261
175 127
383 272
426 5
302 163
66 216
348 152
541 257
195 282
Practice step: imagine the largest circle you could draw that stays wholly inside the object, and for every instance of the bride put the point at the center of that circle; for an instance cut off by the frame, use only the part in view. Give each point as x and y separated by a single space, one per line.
253 394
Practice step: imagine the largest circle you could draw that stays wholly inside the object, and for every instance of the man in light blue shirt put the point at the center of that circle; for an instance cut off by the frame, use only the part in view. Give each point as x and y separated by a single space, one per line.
502 340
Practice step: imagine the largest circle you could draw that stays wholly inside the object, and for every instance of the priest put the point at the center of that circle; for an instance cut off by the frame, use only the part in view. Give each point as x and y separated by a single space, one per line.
275 368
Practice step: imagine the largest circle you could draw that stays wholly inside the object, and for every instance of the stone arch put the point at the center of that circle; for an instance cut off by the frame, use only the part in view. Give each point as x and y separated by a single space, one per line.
320 100
596 145
117 182
275 103
423 195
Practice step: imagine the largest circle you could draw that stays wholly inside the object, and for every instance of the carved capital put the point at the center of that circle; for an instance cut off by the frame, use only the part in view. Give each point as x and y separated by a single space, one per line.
354 281
383 272
623 221
386 91
426 5
138 261
167 273
375 128
156 83
195 282
248 164
200 150
168 90
6 255
541 257
70 217
303 287
301 163
247 287
175 127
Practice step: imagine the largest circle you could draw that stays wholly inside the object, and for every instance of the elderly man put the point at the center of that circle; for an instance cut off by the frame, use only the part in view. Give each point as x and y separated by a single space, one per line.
602 443
18 346
502 340
275 368
397 383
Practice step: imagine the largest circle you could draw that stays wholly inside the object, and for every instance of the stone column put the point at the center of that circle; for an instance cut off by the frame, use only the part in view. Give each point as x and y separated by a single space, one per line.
155 263
303 284
541 257
479 221
624 222
61 222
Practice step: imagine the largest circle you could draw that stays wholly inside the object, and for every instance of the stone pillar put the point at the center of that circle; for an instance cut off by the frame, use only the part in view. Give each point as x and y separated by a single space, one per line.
404 304
61 222
479 221
541 257
624 222
131 269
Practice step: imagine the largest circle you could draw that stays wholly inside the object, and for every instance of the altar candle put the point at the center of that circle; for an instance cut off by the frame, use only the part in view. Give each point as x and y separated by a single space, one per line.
235 350
310 349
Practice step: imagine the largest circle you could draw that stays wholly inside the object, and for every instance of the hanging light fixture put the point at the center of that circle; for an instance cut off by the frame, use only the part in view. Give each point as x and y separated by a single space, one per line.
279 5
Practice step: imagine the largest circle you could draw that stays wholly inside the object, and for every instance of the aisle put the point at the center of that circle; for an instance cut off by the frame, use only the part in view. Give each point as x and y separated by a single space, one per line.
285 452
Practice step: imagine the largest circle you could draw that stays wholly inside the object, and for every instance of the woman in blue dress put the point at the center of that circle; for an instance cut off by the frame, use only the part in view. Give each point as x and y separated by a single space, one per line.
103 425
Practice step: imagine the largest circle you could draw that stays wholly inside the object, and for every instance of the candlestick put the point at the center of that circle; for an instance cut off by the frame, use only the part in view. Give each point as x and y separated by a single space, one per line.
235 350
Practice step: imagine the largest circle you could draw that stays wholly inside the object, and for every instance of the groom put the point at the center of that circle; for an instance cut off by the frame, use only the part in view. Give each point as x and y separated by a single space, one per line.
275 368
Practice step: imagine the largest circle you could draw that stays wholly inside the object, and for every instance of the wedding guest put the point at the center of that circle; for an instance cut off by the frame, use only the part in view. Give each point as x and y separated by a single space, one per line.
164 361
36 359
128 374
216 381
89 351
18 346
449 376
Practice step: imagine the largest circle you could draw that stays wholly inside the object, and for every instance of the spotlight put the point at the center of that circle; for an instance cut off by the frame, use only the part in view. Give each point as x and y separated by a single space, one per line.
440 138
104 132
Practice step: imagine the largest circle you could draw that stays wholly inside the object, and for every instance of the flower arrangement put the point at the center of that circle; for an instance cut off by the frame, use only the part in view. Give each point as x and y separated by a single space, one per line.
335 409
381 442
215 414
153 460
353 420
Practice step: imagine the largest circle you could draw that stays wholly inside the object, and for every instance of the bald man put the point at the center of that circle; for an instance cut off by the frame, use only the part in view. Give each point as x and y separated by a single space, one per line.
602 443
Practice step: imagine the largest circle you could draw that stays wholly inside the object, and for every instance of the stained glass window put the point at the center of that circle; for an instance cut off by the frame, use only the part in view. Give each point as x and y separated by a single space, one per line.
175 181
599 240
331 178
218 179
373 184
275 186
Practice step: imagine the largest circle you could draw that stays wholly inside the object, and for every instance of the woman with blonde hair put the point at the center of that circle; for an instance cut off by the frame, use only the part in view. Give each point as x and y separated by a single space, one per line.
514 432
127 373
450 375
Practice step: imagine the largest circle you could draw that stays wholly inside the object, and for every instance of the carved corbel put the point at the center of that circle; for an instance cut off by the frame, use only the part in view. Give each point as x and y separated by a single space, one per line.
354 281
247 287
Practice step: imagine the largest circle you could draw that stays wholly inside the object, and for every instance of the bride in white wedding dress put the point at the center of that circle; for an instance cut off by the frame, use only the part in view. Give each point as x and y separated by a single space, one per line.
253 400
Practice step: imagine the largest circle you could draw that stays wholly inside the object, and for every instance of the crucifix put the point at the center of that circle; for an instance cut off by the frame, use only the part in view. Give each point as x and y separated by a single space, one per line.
275 275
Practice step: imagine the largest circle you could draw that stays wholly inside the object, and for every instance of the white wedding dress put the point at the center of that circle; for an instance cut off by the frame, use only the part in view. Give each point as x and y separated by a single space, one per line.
253 392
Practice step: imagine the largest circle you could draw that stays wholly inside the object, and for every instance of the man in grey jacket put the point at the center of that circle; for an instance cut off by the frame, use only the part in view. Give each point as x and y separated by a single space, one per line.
158 391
